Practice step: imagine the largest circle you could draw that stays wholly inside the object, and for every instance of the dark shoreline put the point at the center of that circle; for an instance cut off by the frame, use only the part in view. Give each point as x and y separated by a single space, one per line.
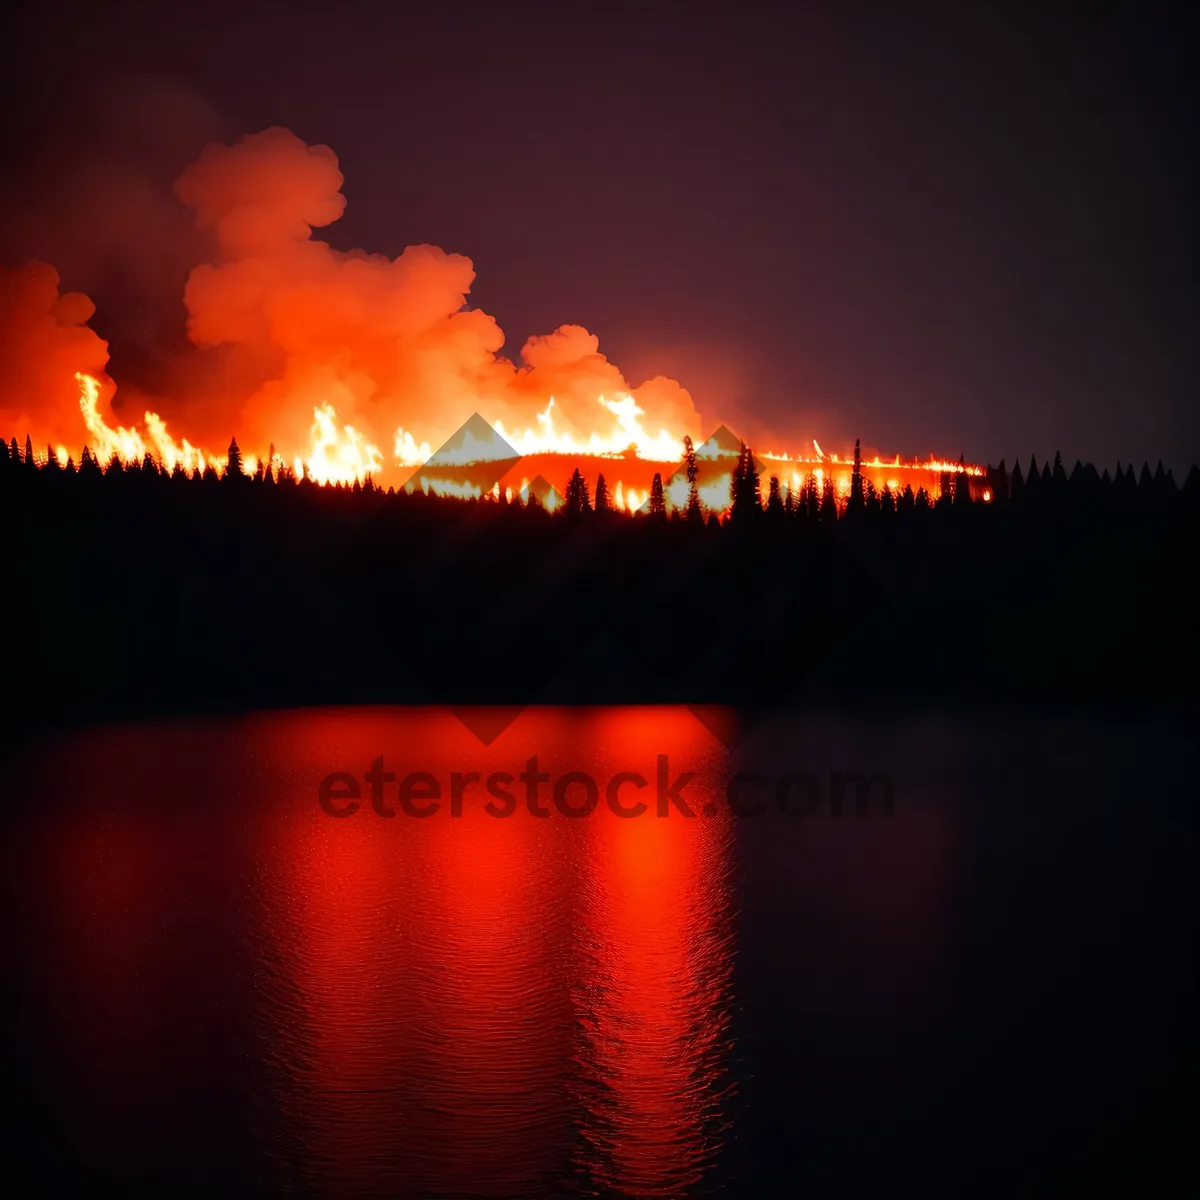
883 713
135 595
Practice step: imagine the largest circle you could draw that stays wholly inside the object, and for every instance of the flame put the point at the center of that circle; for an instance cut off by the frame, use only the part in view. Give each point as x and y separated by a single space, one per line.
182 454
338 456
410 453
432 485
341 454
125 444
629 435
128 445
382 352
631 499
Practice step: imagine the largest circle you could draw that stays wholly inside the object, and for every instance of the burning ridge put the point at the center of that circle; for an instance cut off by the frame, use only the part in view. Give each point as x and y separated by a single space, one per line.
343 366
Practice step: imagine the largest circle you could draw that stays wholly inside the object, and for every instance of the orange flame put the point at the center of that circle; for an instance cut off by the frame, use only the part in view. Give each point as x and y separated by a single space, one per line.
339 453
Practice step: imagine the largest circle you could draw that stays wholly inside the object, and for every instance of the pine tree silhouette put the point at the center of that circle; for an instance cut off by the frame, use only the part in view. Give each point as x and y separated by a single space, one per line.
962 489
744 495
829 513
1017 487
1033 478
603 500
810 496
658 506
774 499
1190 491
996 479
234 468
577 500
695 512
857 498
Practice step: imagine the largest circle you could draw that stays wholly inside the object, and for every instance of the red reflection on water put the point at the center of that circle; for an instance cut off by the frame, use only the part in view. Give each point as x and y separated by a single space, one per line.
656 921
435 987
427 979
491 937
524 1006
338 1027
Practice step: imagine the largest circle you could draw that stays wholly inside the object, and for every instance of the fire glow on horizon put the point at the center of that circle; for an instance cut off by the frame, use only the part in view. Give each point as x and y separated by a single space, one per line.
343 366
343 456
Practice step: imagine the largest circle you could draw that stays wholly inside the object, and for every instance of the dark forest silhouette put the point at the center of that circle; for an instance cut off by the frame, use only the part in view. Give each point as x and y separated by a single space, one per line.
139 591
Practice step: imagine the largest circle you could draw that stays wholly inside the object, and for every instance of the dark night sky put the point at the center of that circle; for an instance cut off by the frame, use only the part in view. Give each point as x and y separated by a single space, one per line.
946 231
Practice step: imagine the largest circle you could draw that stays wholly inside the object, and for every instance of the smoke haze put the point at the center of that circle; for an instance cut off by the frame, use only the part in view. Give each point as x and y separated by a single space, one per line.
279 322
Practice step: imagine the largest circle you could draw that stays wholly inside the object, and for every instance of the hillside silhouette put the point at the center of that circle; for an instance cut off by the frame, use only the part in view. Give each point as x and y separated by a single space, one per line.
139 592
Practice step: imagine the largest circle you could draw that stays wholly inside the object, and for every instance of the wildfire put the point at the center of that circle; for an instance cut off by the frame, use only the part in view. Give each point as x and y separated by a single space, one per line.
128 445
630 499
940 466
340 453
385 353
338 456
630 435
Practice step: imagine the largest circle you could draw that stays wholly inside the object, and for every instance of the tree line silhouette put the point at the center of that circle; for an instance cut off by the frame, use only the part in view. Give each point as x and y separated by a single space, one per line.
812 501
140 591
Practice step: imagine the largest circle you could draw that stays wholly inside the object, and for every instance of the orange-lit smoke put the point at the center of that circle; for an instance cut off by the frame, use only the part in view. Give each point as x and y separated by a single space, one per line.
349 364
44 341
298 341
388 343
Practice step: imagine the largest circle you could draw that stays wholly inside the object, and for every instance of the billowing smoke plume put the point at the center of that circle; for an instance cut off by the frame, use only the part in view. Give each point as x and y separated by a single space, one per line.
44 340
390 343
284 323
93 194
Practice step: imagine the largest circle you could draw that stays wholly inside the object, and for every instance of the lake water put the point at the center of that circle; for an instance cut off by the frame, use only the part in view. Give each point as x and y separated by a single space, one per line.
217 986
